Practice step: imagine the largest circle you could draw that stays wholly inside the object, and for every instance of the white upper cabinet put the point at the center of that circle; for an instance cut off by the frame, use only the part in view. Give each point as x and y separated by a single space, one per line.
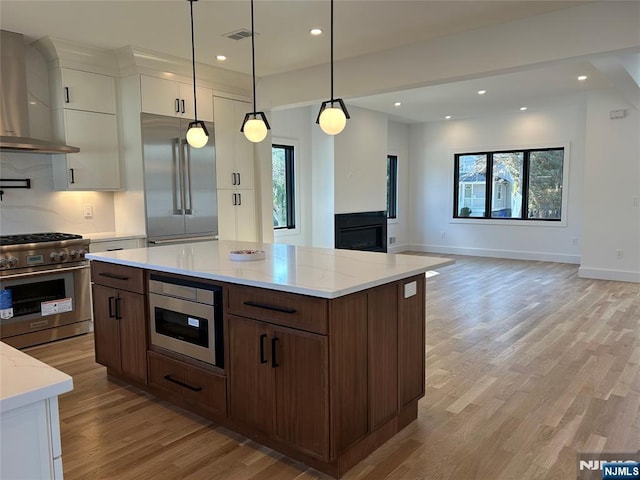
175 99
234 153
90 92
84 115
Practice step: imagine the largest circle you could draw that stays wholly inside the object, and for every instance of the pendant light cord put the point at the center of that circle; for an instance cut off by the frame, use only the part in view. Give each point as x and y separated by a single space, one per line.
253 59
193 64
332 53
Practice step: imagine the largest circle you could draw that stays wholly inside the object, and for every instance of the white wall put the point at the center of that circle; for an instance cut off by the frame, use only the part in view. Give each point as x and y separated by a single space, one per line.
322 185
612 182
432 148
360 157
398 144
40 208
293 127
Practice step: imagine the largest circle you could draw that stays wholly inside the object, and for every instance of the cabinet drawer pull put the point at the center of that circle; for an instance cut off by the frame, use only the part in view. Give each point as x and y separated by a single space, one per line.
182 384
113 275
66 95
233 178
262 357
183 109
270 307
73 177
238 178
177 105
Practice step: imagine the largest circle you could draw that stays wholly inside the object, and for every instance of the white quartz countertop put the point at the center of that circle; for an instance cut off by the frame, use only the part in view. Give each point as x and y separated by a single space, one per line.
318 272
25 380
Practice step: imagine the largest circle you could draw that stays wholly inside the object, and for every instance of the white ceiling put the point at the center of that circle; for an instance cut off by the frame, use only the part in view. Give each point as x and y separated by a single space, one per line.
284 44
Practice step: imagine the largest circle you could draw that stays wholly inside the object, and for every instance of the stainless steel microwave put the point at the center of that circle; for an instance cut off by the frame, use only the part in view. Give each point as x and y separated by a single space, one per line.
186 317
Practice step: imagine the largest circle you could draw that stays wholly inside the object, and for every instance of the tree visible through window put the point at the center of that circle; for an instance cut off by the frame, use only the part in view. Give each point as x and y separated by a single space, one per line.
392 186
520 184
283 187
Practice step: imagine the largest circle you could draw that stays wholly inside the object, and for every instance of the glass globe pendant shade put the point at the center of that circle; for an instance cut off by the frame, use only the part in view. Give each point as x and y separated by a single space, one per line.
197 137
255 130
332 120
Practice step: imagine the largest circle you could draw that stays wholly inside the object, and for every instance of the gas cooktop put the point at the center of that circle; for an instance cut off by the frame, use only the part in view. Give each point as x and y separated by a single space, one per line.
25 238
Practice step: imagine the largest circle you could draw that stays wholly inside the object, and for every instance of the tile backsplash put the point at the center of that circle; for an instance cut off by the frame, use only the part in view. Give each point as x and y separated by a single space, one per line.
40 208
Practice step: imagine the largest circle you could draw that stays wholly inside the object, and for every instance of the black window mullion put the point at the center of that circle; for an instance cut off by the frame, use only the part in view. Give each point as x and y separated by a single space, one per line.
291 212
488 200
524 214
456 186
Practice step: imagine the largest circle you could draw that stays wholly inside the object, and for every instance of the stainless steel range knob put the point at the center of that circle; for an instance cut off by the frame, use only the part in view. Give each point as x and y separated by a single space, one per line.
73 254
55 256
4 262
12 261
62 256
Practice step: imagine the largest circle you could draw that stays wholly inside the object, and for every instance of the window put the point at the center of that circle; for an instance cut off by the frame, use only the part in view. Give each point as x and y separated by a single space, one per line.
283 187
392 186
518 184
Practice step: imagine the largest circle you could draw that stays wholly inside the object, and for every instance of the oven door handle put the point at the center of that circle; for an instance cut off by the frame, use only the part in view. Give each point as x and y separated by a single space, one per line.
42 272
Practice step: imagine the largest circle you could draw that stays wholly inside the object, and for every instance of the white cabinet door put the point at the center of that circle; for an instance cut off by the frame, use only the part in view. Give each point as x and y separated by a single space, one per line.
236 215
160 96
246 216
87 91
97 165
234 153
175 99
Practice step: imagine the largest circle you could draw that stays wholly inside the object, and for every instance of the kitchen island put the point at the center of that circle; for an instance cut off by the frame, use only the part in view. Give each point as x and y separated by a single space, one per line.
29 421
320 352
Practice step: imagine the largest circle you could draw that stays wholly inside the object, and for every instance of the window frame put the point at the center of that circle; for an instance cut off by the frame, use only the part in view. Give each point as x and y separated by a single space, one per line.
523 219
392 186
290 185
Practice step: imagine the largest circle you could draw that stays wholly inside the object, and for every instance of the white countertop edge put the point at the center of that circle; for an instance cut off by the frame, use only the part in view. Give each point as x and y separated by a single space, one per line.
330 294
39 380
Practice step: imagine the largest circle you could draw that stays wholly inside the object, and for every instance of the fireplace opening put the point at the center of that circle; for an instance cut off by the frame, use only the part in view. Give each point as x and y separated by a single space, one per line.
361 231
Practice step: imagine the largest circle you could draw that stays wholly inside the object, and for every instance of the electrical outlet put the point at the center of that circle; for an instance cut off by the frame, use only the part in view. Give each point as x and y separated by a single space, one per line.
88 211
392 240
619 254
636 202
443 235
574 241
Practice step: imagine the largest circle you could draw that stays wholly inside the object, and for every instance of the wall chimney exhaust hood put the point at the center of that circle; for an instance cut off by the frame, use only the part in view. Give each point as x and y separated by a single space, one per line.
14 115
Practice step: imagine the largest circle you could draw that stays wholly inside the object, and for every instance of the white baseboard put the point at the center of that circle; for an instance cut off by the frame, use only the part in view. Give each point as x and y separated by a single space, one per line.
603 274
485 252
397 248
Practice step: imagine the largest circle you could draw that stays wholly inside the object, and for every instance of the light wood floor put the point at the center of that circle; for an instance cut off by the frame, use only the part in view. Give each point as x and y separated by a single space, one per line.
526 365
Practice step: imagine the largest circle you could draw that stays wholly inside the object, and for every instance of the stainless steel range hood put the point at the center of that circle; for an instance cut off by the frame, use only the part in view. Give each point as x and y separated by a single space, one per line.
14 115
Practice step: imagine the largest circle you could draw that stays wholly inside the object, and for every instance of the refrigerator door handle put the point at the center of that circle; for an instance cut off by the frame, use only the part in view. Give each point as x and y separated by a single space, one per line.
187 179
178 195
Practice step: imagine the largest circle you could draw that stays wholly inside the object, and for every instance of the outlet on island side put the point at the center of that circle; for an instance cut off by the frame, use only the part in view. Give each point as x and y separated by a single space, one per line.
619 254
88 211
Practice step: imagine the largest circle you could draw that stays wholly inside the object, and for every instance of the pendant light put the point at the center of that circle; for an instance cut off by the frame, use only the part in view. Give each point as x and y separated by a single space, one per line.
255 124
197 134
333 113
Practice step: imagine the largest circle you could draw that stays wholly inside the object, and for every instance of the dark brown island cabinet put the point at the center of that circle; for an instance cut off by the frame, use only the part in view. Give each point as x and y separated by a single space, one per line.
325 381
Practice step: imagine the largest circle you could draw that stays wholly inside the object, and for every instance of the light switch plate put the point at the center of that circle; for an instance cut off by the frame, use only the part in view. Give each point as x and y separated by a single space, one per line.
410 289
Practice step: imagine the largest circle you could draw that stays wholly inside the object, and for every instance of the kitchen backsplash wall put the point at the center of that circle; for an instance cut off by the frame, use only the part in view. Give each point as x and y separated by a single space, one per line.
40 208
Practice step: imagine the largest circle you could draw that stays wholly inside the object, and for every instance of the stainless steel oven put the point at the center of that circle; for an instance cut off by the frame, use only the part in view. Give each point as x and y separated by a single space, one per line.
47 280
186 317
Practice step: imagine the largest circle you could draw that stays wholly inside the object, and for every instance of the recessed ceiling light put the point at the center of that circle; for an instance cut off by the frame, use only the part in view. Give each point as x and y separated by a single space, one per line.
448 117
221 58
315 31
582 78
481 92
397 104
522 109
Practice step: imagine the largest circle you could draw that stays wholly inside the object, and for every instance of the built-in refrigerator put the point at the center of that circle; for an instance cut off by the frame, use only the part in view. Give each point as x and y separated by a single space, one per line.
180 182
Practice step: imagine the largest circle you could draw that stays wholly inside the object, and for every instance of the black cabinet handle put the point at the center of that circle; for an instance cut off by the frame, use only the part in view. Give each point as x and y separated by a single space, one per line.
234 199
274 361
182 384
111 315
233 178
238 178
239 199
177 105
262 357
66 95
183 109
270 307
73 177
113 275
117 304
